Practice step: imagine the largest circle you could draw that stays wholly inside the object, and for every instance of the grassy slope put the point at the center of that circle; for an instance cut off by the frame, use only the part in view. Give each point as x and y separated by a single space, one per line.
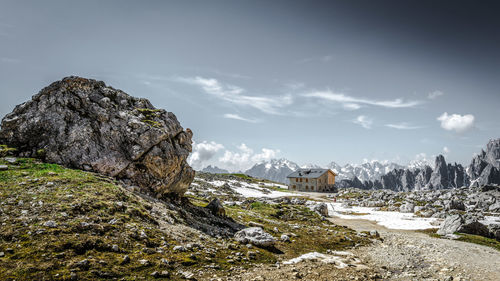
83 205
470 238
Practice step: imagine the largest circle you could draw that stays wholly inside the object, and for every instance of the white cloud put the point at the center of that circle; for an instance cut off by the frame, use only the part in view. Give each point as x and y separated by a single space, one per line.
203 152
295 85
351 101
363 121
245 157
234 94
351 106
402 126
237 117
434 95
446 150
456 122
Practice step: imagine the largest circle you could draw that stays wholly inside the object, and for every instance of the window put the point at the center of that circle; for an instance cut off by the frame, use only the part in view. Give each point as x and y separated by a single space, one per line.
293 187
307 180
300 179
307 187
296 180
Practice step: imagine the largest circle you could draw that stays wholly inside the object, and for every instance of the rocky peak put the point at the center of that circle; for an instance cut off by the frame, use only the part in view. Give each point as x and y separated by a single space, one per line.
439 178
485 167
82 123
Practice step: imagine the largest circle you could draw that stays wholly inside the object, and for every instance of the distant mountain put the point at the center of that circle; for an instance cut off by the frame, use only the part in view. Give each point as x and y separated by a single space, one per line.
275 170
485 167
311 166
214 170
369 171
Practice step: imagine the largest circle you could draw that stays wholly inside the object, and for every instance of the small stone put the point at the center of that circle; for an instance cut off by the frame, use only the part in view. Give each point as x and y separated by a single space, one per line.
51 224
164 261
4 167
113 221
73 276
144 262
180 248
84 264
49 183
2 254
11 160
285 238
115 248
126 259
9 250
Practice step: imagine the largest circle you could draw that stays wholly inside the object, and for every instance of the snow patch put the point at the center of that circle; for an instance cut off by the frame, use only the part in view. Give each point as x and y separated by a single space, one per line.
392 220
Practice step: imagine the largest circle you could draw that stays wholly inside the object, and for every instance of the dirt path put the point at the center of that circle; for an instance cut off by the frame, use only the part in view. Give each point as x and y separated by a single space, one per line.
410 255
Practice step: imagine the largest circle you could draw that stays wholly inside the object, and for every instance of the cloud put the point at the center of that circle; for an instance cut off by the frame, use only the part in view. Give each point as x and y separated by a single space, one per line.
456 122
295 85
446 150
245 157
10 60
237 117
351 106
363 121
323 59
402 126
434 95
353 102
234 94
203 152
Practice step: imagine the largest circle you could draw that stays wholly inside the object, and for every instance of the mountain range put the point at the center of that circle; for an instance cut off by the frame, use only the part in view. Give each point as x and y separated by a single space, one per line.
418 175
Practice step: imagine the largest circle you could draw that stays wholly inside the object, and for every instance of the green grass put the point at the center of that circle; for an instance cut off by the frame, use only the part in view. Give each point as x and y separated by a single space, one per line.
476 239
73 199
470 238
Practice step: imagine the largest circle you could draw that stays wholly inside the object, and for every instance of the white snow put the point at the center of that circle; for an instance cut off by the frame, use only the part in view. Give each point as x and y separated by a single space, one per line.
393 220
275 185
217 183
253 189
250 192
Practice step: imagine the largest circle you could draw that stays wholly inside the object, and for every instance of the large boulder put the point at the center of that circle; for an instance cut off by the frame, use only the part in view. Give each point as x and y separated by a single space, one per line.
458 223
255 236
84 124
216 208
407 208
321 209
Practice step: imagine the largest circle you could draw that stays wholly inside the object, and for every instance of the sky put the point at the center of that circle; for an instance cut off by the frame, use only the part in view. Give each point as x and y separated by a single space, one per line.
309 81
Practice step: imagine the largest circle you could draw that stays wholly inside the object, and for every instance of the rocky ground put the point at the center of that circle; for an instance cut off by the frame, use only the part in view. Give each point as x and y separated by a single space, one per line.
414 255
64 224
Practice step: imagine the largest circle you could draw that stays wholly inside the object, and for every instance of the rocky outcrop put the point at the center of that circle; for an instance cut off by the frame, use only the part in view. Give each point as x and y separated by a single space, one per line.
84 124
439 178
458 223
321 209
485 167
216 208
255 236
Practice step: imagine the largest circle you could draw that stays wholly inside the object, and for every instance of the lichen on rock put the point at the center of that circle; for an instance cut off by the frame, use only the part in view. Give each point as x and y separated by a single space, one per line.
82 123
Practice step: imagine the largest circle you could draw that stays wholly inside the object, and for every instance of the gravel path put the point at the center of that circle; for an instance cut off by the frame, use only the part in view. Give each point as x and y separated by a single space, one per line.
409 255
